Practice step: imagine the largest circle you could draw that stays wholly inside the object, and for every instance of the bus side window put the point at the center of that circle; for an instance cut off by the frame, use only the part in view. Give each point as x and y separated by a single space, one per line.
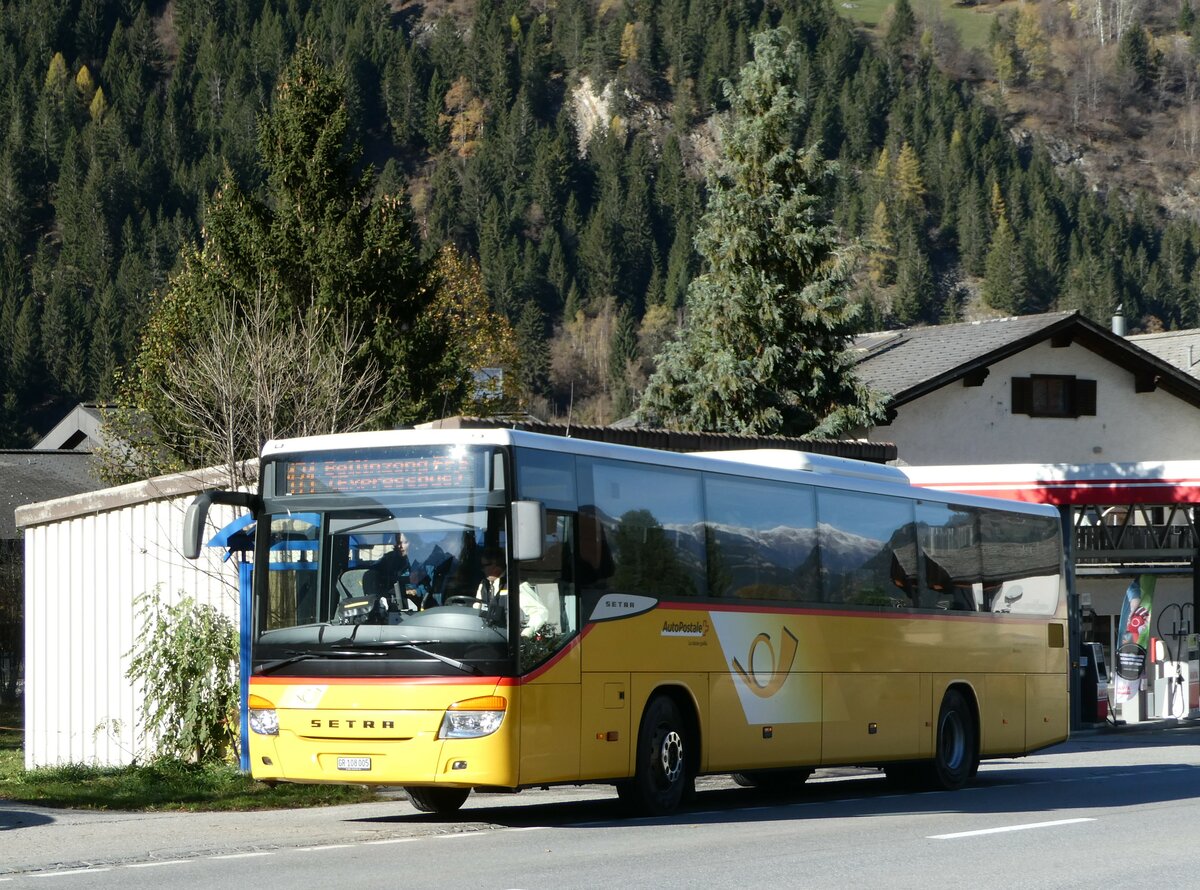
1021 559
595 556
648 528
760 539
868 548
550 576
952 576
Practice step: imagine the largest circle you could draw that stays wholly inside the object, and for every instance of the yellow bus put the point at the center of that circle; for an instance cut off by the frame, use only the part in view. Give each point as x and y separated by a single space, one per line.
448 610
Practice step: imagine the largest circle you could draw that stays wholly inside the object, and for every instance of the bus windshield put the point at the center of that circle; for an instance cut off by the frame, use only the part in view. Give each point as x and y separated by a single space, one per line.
382 582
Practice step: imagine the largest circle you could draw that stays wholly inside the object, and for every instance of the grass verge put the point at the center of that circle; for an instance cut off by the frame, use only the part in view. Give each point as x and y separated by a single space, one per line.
161 785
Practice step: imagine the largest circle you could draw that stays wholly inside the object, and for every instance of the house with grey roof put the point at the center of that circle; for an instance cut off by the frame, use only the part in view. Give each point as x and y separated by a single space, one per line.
80 430
1054 388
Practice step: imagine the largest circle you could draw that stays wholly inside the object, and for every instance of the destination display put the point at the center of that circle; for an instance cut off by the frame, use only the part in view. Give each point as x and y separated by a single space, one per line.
344 474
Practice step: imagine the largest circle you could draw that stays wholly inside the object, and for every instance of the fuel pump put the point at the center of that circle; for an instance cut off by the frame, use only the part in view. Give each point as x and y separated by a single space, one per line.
1171 666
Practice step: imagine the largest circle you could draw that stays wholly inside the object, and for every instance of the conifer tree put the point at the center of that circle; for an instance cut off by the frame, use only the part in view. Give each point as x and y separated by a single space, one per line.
316 252
881 258
1134 55
1005 278
903 26
914 279
763 346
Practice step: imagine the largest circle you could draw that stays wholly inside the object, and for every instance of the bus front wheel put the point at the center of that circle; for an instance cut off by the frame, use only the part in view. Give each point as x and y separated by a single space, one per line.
661 777
437 800
956 752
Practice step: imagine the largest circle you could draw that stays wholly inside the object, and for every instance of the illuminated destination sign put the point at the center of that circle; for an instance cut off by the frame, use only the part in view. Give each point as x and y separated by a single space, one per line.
346 474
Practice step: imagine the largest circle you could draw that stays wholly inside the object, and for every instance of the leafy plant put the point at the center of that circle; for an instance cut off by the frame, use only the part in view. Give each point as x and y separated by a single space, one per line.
186 664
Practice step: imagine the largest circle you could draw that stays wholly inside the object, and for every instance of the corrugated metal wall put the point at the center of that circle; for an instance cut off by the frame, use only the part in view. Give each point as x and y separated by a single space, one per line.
87 561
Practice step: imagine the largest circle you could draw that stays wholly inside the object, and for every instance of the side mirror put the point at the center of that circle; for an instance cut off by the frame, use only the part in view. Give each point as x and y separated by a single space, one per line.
197 513
528 529
193 524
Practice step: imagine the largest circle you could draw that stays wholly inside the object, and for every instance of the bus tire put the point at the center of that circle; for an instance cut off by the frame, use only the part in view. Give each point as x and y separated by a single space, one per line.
436 800
956 748
661 776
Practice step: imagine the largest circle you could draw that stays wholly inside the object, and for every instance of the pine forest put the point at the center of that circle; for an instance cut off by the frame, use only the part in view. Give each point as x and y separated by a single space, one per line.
549 163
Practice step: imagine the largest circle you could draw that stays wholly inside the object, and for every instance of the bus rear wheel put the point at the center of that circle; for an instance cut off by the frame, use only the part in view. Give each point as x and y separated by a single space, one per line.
436 800
956 752
661 777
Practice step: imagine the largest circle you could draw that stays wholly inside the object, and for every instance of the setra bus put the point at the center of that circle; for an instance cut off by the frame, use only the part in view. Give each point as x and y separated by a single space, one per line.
657 616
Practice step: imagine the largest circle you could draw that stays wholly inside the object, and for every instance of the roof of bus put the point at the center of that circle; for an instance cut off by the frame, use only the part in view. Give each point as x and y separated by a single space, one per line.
779 464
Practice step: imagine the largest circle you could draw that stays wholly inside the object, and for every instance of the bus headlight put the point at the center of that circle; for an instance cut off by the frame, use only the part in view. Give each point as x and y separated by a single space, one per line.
263 718
264 721
473 717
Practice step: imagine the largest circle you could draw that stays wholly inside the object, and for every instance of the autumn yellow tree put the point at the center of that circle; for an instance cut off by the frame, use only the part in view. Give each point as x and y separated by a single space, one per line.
881 257
1031 42
479 367
909 184
464 114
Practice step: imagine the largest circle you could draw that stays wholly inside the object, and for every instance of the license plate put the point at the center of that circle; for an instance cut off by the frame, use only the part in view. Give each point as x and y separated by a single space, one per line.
357 764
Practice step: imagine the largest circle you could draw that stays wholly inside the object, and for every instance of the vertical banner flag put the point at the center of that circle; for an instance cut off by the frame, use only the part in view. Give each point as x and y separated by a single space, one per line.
1133 637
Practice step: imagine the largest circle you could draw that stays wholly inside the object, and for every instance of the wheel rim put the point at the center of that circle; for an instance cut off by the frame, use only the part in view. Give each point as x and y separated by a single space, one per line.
671 757
953 741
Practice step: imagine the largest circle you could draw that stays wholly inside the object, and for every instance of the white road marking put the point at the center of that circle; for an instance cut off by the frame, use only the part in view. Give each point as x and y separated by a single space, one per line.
1001 830
158 863
242 855
67 874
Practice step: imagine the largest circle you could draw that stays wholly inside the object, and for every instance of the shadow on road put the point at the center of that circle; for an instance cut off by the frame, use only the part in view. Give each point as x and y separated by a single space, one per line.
10 819
996 790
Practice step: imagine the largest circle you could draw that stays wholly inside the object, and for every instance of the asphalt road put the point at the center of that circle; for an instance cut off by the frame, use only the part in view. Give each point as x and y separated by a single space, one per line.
1118 807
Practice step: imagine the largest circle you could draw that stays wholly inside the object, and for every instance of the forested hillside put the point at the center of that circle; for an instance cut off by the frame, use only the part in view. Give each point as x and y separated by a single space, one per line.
562 144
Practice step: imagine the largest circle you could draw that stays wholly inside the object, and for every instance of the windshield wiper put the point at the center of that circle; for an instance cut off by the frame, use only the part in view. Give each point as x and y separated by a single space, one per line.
284 662
294 657
383 646
373 650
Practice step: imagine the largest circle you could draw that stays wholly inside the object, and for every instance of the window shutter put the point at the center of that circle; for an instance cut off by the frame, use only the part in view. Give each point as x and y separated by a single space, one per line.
1022 394
1085 398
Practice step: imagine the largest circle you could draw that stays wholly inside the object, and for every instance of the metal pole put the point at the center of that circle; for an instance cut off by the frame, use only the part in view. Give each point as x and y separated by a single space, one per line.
1074 619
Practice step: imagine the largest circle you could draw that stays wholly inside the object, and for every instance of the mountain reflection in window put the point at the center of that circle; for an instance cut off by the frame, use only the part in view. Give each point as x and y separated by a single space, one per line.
651 519
761 540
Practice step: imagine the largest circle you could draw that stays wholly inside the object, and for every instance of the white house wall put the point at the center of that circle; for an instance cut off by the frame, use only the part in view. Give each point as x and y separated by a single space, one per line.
87 561
975 425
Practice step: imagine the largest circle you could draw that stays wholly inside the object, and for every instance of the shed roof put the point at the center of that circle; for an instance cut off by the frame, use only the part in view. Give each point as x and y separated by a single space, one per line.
30 476
679 440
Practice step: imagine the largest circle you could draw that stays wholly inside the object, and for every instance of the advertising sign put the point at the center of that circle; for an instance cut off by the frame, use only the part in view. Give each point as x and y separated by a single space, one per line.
1133 637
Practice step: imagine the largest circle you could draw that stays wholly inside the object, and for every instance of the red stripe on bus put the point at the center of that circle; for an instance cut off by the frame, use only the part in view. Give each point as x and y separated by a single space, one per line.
892 615
285 680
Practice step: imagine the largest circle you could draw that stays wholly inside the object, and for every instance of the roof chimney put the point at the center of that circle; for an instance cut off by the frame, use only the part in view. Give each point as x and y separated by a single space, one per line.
1118 321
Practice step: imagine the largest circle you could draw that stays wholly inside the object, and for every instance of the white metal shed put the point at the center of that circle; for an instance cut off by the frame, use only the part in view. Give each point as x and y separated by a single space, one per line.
88 558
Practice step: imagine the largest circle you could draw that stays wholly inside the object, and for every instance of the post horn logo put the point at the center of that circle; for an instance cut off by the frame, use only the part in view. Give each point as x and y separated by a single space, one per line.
777 676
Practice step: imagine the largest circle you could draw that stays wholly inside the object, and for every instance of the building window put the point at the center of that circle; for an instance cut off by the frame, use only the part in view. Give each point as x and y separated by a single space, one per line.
1053 395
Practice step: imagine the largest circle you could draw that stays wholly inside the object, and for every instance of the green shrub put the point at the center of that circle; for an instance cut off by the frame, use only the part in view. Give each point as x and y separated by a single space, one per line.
186 663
